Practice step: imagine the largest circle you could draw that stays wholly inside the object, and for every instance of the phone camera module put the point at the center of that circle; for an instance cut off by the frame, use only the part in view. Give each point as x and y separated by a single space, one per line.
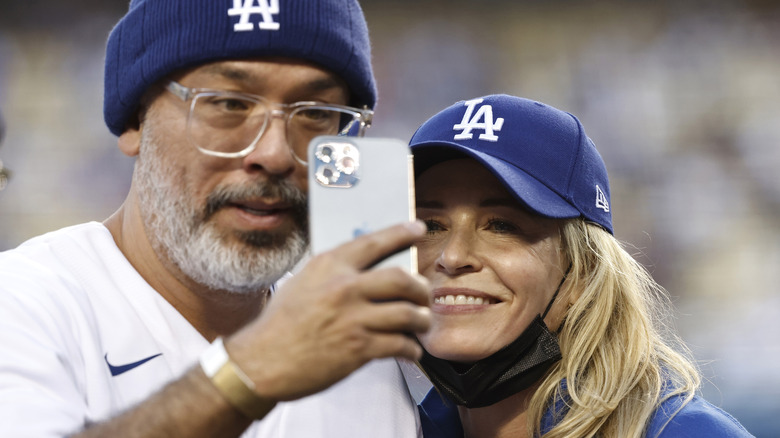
336 164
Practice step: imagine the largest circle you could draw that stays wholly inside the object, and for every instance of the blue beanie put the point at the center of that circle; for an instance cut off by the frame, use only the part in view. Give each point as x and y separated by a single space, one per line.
158 37
540 153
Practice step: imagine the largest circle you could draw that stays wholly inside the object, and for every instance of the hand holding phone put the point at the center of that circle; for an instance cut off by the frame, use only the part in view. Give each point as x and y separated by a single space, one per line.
335 312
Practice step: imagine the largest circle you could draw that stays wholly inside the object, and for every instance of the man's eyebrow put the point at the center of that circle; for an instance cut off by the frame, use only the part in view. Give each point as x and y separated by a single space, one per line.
241 75
322 84
228 72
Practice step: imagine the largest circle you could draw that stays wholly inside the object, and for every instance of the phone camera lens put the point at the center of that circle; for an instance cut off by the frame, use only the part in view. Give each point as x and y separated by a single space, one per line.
347 165
325 153
327 174
349 160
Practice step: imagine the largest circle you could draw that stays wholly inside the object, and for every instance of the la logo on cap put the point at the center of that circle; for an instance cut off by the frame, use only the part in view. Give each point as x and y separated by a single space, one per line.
266 8
483 120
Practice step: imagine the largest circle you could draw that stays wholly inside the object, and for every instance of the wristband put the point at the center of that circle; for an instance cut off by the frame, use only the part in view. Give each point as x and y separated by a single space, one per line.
237 388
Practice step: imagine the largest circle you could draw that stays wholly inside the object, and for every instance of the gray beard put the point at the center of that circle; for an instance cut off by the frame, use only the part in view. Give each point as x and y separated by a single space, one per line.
185 236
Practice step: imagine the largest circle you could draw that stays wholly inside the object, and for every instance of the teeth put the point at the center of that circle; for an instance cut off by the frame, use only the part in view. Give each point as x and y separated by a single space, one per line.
460 300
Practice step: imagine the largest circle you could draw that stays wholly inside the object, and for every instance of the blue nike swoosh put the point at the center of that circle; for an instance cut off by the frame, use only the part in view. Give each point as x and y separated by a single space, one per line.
117 370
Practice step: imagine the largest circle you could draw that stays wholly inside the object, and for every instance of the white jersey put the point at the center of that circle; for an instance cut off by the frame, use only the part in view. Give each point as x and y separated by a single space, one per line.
83 337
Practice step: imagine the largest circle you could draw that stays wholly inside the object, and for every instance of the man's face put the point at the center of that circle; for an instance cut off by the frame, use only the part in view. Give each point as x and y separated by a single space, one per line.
229 224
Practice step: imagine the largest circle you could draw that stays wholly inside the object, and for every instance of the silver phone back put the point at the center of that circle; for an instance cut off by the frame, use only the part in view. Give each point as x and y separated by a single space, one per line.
357 186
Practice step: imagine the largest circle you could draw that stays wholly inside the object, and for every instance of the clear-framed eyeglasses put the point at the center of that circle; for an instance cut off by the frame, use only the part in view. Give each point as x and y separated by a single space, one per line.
230 124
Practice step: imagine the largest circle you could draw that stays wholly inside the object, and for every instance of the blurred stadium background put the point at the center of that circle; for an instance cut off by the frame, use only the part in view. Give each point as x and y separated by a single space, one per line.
681 98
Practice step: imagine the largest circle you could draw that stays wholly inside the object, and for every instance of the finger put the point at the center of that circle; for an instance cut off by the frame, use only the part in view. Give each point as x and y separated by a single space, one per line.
370 248
393 284
396 316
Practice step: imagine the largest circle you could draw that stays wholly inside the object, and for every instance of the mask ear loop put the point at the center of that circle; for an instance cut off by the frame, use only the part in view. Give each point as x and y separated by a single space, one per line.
555 295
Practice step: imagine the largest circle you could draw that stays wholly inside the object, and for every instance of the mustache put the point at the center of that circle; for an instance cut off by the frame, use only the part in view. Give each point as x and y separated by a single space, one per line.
281 190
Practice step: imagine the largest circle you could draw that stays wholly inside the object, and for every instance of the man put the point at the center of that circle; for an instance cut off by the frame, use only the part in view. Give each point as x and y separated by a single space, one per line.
102 325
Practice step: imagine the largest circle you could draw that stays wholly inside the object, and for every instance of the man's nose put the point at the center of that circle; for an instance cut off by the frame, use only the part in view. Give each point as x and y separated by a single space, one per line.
272 153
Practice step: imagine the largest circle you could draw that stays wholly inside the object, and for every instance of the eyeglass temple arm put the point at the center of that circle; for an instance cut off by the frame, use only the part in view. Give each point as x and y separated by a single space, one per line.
365 120
179 90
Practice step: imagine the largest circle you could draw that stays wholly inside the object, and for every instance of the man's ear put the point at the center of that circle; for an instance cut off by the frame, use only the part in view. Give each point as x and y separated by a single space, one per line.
130 141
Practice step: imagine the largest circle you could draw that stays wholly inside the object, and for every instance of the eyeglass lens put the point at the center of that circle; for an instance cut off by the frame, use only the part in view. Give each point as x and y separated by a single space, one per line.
230 124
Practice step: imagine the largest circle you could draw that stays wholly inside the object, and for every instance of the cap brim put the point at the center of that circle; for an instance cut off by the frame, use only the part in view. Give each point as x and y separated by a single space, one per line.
528 190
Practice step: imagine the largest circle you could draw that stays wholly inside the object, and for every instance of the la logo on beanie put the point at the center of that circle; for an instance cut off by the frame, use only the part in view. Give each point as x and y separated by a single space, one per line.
483 120
265 8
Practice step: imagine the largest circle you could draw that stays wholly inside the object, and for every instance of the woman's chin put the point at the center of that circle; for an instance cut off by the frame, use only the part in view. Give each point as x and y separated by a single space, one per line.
466 338
457 352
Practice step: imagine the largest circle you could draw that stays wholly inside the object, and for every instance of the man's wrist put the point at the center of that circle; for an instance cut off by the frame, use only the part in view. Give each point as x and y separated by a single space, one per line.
232 383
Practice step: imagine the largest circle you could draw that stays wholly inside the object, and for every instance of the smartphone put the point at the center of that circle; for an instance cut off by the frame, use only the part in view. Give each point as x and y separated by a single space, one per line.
359 185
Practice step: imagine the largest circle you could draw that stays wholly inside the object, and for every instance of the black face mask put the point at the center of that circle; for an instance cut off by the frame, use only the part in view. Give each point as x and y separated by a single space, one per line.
506 372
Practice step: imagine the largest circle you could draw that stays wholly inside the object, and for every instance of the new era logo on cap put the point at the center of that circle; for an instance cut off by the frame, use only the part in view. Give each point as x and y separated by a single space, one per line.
265 8
482 120
601 200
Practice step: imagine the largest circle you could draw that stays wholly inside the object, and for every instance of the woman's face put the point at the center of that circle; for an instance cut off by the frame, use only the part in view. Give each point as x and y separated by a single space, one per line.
493 265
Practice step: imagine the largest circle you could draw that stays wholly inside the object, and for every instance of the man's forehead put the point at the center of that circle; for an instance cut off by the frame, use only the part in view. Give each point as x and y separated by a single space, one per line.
266 71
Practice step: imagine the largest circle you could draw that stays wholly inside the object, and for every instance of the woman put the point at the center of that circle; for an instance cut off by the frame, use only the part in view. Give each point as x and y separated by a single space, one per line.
543 324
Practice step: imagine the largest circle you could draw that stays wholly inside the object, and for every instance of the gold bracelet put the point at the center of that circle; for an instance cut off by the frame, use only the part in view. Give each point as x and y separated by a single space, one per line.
237 388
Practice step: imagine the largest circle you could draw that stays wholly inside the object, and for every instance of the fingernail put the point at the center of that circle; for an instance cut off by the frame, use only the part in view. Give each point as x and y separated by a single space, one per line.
418 227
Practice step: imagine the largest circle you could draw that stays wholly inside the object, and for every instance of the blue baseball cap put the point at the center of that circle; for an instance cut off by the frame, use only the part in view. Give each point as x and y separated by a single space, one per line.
158 37
540 153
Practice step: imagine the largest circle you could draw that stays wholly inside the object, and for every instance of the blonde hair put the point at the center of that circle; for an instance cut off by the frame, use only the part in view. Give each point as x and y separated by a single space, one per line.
620 360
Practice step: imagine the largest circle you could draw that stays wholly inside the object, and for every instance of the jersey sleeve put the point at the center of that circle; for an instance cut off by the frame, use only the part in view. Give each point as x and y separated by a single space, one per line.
41 389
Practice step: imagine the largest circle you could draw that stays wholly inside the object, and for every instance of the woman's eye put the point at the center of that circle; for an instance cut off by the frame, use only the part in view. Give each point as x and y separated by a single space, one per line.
502 226
433 226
